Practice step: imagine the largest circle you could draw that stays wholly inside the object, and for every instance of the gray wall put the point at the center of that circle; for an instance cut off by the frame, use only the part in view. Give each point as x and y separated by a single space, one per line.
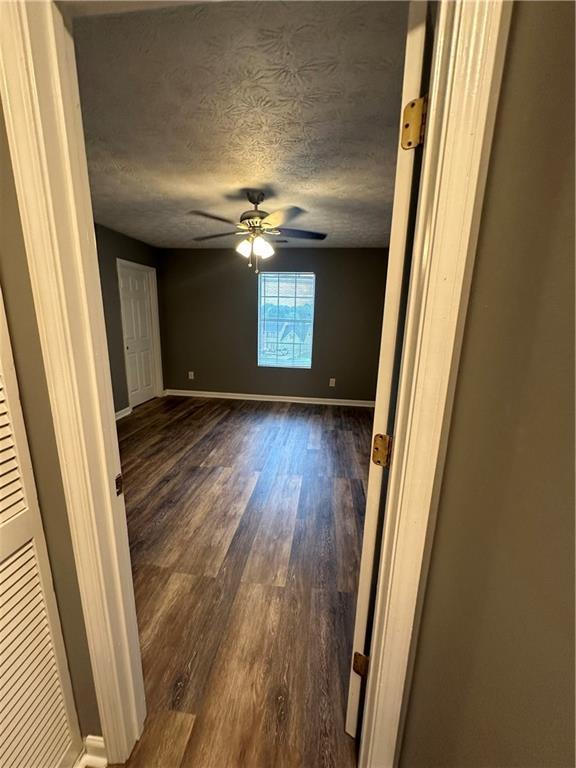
17 292
111 246
209 311
494 675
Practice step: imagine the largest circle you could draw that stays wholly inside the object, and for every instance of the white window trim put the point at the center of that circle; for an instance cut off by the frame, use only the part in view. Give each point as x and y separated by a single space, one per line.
286 367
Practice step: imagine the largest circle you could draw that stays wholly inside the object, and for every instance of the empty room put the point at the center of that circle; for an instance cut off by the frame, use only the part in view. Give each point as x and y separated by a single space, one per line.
286 302
242 161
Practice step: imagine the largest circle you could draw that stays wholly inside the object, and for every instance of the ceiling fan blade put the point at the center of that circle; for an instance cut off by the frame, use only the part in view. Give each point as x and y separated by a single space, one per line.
211 237
304 234
282 216
212 216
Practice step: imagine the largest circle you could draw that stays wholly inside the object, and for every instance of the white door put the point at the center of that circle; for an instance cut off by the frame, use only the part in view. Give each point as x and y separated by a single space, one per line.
38 724
387 371
136 299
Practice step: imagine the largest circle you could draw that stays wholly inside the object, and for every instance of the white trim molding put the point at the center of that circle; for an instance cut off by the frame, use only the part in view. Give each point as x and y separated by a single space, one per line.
270 398
93 754
400 232
470 46
39 93
123 412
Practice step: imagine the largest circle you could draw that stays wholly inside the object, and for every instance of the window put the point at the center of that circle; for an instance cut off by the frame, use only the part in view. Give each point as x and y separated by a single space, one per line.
285 319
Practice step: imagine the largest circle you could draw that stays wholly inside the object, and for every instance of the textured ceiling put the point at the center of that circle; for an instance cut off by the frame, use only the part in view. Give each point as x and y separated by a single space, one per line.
185 105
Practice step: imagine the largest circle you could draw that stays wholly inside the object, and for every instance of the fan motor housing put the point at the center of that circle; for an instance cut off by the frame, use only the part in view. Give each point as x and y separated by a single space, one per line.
253 218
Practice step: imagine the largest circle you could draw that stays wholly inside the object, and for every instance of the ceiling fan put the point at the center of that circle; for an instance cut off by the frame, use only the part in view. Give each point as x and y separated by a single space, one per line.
259 228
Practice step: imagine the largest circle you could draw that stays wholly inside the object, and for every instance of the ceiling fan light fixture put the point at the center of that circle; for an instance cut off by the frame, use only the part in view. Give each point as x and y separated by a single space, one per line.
262 248
244 248
255 226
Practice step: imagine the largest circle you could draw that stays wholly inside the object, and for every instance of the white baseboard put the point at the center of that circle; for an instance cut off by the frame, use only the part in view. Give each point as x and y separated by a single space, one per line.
124 412
94 754
270 398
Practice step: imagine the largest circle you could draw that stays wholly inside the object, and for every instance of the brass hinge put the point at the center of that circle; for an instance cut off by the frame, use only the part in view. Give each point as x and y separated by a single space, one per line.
119 483
360 664
382 450
413 123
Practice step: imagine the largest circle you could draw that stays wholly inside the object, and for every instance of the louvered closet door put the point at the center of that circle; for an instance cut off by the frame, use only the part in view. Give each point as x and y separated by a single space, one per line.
38 724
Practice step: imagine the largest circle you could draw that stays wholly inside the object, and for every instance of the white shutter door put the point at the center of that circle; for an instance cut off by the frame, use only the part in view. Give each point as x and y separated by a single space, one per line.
38 724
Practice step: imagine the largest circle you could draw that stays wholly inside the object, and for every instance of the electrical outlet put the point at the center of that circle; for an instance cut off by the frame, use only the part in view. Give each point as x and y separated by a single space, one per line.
332 383
190 374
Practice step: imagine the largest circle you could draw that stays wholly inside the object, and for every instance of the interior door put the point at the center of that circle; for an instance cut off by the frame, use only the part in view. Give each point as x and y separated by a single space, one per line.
38 724
136 304
405 196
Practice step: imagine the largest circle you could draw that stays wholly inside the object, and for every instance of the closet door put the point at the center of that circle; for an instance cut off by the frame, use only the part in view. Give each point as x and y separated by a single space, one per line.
139 350
38 723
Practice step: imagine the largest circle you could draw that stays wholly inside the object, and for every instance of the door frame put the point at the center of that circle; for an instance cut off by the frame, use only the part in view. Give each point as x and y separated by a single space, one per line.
154 322
40 100
466 74
39 91
417 31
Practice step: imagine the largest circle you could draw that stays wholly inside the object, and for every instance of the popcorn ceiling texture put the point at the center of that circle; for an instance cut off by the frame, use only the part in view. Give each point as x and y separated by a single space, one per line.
185 105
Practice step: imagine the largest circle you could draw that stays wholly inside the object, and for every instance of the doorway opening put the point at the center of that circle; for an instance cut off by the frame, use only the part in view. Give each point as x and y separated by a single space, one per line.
246 478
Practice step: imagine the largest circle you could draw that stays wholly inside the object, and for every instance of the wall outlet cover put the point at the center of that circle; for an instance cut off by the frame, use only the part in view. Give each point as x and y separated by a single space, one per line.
332 382
190 374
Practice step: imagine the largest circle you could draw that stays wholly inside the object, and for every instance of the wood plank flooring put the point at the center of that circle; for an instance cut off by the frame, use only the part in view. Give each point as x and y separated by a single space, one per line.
245 524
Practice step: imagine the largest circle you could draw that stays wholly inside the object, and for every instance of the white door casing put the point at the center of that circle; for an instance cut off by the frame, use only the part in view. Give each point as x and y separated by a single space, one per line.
41 104
38 723
138 301
466 74
403 201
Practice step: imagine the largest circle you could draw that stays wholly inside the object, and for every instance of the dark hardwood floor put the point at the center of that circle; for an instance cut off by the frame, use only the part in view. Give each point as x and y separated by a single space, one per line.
245 523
